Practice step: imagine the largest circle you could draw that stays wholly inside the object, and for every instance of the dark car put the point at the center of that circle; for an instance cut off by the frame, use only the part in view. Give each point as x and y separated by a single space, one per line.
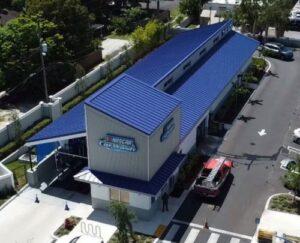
277 50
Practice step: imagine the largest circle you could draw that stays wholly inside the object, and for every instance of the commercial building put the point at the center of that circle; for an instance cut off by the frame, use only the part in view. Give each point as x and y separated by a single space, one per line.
135 132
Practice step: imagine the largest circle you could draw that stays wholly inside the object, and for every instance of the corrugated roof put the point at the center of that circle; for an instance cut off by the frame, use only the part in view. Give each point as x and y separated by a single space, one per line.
134 103
200 87
151 187
159 63
71 123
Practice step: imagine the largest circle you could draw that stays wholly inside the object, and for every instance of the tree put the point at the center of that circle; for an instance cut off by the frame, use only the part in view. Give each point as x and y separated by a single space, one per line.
292 178
258 15
19 45
123 218
148 37
71 18
192 8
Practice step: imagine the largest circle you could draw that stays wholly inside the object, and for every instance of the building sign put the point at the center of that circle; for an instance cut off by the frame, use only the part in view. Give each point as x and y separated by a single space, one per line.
118 143
167 130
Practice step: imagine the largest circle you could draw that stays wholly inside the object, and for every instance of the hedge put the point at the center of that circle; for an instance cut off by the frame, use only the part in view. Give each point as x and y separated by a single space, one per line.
14 145
68 105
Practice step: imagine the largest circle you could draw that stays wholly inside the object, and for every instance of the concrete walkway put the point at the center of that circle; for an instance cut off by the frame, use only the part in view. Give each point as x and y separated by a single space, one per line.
36 222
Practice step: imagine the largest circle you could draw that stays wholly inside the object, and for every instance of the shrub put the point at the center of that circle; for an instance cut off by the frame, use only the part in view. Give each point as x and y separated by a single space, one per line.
70 104
12 146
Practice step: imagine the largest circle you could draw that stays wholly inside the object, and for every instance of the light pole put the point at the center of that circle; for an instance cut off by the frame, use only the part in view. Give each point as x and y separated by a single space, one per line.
43 52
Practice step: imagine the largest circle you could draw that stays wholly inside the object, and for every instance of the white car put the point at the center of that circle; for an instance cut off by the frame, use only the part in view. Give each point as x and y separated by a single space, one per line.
288 164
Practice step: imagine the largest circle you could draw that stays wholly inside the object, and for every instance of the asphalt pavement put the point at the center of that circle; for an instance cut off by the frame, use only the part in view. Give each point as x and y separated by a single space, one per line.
256 148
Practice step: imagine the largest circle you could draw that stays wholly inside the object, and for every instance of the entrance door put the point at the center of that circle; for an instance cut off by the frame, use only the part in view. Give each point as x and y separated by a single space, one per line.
200 132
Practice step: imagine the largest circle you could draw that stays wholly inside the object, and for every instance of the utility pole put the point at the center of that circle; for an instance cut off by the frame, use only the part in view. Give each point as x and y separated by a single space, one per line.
43 48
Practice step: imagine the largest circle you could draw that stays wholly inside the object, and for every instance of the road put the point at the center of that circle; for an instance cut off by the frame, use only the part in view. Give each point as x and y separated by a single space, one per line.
256 175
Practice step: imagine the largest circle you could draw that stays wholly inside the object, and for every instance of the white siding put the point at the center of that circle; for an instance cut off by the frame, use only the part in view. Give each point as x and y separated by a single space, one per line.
139 200
100 192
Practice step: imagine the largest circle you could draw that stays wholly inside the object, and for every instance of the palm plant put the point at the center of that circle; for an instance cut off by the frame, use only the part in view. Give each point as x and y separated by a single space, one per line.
292 178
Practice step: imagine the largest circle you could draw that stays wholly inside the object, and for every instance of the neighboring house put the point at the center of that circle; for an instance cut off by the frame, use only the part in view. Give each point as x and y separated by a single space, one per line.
139 128
213 10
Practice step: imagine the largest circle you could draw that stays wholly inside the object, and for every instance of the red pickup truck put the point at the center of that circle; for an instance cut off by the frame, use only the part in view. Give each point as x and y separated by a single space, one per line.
212 176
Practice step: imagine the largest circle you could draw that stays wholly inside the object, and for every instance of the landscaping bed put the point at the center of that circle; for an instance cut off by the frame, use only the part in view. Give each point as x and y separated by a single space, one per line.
139 238
188 173
285 204
67 226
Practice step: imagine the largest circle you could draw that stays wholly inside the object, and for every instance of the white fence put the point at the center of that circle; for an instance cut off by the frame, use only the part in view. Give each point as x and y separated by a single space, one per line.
54 109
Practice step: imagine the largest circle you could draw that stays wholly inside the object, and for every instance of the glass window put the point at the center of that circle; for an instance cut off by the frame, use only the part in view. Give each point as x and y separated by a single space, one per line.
124 196
114 194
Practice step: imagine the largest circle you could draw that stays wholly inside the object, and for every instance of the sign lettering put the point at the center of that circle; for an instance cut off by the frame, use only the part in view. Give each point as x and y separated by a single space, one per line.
118 143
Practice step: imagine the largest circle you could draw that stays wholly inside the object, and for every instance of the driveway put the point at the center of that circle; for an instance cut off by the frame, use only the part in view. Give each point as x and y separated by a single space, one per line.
256 156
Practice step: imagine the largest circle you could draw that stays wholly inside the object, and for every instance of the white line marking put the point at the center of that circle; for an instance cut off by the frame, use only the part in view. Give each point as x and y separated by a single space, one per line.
262 132
213 238
234 240
172 232
192 236
247 237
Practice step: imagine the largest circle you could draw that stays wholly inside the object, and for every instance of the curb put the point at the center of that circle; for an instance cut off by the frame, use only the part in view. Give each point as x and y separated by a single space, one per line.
13 197
244 107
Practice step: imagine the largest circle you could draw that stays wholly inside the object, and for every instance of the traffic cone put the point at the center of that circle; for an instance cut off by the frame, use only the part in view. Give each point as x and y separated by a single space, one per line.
205 224
67 207
36 199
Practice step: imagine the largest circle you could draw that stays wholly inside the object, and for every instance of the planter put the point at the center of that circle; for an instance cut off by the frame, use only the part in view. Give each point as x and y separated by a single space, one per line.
66 227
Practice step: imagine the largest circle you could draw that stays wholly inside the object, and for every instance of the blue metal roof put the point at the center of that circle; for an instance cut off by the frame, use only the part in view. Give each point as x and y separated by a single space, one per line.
134 103
70 123
151 187
159 63
199 88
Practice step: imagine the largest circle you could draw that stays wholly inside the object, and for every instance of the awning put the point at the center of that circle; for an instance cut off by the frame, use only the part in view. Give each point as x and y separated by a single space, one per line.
151 187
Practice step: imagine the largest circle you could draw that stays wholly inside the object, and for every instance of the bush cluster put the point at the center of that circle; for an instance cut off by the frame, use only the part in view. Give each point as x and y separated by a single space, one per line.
12 146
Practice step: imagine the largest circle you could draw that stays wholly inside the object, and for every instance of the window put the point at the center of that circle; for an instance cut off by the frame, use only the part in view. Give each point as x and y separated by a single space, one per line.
186 65
216 39
124 196
202 51
168 82
118 195
113 194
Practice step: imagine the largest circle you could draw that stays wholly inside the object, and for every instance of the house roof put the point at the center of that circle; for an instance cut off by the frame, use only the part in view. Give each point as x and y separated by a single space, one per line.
159 63
202 85
69 125
134 103
151 187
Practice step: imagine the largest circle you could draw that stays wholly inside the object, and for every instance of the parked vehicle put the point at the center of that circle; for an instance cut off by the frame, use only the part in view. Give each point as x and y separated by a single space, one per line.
277 50
288 164
212 176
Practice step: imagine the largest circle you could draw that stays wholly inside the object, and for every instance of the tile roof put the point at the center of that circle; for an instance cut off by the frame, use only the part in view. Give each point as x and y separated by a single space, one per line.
151 187
201 86
159 63
134 103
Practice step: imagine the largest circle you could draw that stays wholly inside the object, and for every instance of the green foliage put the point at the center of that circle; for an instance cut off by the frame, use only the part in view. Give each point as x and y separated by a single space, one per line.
259 63
19 44
148 37
256 15
126 23
123 218
12 146
285 203
92 89
292 178
72 19
192 8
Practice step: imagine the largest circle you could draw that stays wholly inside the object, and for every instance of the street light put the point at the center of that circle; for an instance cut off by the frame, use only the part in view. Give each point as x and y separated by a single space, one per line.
43 53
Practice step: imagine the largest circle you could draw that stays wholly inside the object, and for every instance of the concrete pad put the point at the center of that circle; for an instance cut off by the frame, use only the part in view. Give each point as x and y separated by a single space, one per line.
112 47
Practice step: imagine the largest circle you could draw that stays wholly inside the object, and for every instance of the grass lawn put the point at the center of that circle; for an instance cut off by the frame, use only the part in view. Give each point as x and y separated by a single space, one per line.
19 169
285 203
140 238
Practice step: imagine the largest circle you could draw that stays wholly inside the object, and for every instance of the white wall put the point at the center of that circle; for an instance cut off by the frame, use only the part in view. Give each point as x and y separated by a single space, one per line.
190 140
6 178
101 192
139 200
